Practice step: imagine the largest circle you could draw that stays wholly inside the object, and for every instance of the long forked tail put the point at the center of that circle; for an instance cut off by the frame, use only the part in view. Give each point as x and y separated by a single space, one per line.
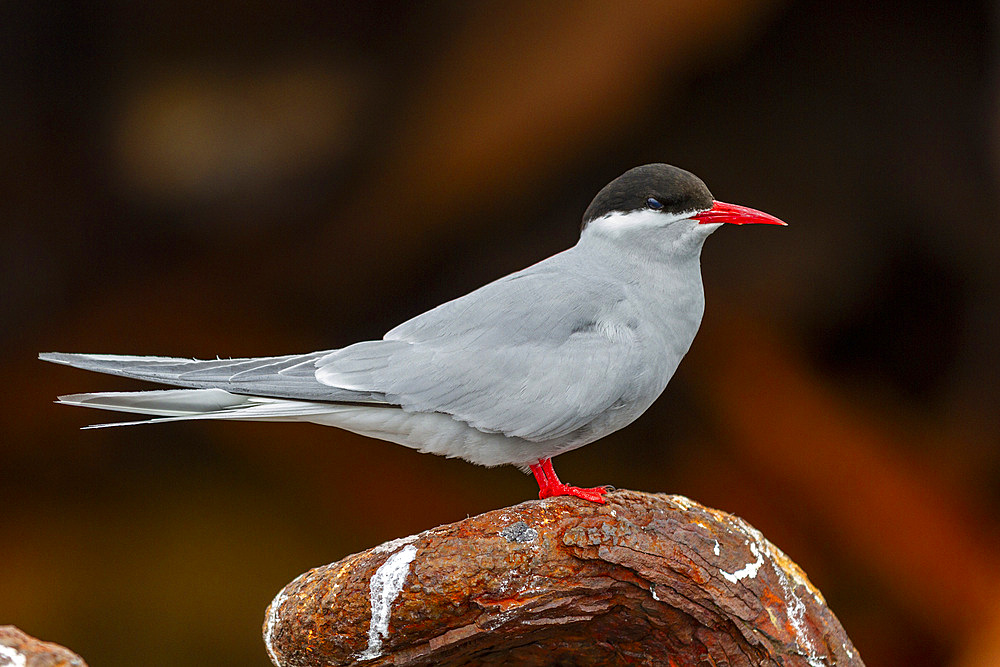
290 376
184 404
257 389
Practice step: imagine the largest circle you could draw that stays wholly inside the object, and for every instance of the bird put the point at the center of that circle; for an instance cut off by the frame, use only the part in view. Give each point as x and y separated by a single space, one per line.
535 364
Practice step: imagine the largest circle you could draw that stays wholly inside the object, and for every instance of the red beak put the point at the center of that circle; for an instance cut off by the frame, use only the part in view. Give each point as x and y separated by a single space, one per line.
736 215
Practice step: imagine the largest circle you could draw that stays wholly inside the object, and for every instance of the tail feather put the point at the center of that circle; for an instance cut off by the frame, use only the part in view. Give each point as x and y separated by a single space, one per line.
167 402
185 404
291 376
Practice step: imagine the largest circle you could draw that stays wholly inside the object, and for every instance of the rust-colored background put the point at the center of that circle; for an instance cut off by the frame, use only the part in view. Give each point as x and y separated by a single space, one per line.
201 179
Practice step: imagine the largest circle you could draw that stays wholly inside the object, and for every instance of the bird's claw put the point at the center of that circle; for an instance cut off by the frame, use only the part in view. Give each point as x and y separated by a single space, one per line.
594 495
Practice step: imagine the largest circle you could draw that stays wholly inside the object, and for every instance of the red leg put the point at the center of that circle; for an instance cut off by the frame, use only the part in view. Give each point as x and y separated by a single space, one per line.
549 484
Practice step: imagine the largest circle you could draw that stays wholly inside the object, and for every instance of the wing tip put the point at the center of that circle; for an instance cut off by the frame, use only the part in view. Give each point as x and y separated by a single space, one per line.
70 399
54 357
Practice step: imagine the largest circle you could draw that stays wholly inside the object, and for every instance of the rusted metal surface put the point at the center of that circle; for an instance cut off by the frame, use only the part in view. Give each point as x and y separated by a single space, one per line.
19 649
645 579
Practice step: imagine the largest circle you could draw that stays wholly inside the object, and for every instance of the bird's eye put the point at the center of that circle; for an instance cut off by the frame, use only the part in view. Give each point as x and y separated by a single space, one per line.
654 203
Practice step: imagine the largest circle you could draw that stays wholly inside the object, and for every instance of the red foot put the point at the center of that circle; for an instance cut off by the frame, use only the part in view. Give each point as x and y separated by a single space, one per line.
549 484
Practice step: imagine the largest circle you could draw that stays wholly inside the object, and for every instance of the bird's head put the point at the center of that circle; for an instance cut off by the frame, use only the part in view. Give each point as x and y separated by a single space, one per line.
669 203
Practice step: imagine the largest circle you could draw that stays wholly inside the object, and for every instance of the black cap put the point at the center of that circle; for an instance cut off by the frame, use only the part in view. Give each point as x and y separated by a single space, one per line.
674 191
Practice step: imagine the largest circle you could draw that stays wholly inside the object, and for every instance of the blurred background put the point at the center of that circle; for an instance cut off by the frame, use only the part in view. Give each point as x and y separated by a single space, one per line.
252 178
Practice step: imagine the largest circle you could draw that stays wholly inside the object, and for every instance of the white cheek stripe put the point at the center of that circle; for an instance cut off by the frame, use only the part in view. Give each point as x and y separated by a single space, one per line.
617 223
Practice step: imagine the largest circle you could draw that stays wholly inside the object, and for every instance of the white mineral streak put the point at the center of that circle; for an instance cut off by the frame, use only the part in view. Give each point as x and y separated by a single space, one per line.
392 545
385 587
748 570
11 657
682 502
796 616
790 580
272 619
794 607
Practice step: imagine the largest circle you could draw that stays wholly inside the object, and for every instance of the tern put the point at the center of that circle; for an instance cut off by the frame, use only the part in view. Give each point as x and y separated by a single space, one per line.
527 367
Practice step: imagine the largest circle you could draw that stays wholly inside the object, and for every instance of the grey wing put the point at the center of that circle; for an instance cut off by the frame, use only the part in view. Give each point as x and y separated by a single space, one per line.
290 376
532 356
537 354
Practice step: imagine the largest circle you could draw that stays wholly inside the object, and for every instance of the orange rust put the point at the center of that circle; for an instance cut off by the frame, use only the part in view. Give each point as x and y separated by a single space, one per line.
701 522
768 597
506 603
774 603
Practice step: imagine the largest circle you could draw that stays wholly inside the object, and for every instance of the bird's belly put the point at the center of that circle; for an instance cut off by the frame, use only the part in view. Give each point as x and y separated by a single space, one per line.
437 433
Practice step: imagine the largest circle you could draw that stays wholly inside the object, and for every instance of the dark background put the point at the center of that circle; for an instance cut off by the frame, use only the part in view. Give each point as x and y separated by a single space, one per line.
238 179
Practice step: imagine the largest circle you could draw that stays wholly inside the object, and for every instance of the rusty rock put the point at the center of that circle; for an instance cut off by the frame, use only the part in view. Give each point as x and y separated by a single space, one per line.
19 649
646 579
